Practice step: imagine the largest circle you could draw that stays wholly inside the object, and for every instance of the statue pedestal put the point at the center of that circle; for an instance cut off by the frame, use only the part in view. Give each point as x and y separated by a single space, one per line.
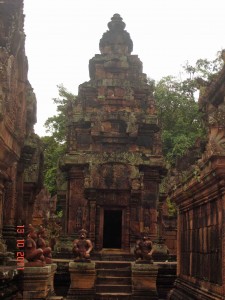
82 284
36 282
51 279
144 277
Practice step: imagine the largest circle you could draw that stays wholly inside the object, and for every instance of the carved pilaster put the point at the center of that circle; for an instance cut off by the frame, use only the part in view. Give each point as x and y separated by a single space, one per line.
62 204
2 243
92 208
127 229
135 201
77 209
99 233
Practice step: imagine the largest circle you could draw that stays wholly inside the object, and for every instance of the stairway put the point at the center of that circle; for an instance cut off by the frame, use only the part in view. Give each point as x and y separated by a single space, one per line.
113 280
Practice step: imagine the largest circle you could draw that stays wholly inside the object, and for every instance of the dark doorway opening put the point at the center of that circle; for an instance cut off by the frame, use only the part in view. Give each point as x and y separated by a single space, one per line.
112 232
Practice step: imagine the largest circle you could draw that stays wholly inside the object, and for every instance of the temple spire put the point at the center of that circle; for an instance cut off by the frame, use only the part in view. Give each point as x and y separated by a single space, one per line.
116 40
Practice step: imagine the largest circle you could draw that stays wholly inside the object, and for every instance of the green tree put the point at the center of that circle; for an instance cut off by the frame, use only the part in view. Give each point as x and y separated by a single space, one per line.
52 152
55 143
56 125
204 68
179 116
178 109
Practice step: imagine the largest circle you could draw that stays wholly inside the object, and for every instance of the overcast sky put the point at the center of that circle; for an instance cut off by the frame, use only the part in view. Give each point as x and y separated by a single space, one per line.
62 35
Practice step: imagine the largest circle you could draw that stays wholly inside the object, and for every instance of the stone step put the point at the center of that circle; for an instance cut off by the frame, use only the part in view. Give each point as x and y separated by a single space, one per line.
105 288
113 296
112 280
113 272
114 257
113 265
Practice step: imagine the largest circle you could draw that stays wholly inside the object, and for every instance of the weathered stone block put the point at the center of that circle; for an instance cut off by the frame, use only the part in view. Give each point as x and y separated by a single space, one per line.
36 282
51 279
144 281
83 276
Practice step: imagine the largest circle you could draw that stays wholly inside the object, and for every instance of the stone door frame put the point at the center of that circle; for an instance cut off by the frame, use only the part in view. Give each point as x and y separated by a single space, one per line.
101 224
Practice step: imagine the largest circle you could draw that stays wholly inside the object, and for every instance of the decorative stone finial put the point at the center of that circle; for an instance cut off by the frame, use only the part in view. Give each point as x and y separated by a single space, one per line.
116 40
116 23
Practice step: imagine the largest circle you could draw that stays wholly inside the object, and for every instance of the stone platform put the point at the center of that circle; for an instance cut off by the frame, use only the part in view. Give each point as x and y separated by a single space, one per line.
82 285
114 279
99 280
144 277
36 282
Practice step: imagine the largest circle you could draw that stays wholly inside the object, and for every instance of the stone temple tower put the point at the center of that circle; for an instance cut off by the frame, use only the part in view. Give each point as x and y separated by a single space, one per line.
114 163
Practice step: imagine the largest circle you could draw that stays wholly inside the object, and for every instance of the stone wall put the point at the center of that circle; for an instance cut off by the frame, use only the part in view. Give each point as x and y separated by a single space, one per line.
20 149
200 199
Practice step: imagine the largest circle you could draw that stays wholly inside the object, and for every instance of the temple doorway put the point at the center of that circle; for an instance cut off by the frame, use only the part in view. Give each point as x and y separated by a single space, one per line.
112 232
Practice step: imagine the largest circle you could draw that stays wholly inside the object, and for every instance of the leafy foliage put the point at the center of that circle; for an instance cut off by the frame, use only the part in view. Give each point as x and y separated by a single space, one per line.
179 116
204 68
178 109
52 152
56 125
53 231
172 210
55 143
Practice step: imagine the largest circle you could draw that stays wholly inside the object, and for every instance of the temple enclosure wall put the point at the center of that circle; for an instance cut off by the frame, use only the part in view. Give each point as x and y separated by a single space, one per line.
200 199
21 158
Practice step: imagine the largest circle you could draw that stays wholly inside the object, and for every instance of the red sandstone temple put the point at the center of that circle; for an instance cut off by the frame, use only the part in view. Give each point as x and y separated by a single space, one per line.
112 170
114 163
